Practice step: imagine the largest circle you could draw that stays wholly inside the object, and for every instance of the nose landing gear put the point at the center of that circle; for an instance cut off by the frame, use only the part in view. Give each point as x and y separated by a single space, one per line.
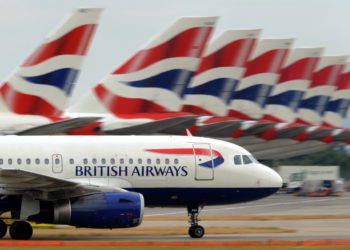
195 230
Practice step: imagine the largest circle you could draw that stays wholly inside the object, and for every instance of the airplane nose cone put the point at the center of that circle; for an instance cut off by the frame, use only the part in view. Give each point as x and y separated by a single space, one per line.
275 179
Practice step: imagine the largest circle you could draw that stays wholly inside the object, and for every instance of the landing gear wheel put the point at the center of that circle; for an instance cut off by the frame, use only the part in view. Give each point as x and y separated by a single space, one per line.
3 229
196 231
21 230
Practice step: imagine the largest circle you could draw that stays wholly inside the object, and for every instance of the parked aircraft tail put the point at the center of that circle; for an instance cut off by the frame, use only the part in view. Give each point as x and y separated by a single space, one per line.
338 106
43 83
294 80
324 79
154 79
261 74
221 68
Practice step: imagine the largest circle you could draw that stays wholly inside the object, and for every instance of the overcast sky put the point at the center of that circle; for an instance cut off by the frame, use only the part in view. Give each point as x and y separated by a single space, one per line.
127 24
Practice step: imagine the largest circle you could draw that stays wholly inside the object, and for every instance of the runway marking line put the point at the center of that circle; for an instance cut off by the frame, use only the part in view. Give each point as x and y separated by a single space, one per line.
61 243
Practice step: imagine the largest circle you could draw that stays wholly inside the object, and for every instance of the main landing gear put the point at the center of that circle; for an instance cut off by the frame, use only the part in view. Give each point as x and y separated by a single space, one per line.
19 230
195 230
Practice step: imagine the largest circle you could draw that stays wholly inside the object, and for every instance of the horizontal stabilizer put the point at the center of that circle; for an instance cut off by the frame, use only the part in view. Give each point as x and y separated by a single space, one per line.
219 129
174 125
320 133
258 128
344 135
290 132
59 127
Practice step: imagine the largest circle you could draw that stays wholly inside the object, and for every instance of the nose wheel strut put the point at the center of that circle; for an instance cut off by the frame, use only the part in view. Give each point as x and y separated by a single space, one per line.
195 230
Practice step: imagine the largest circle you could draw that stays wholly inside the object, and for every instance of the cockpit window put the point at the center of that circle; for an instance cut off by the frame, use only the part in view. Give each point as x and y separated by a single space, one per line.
247 160
237 160
253 159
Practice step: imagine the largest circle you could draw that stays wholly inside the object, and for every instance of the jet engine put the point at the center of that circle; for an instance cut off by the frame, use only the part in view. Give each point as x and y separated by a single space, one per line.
100 210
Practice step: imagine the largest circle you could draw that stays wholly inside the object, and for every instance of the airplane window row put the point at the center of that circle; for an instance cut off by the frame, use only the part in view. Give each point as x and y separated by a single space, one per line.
112 161
27 161
103 161
243 159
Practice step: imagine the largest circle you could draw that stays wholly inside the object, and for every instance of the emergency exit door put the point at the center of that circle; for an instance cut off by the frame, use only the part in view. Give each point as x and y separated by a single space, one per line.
57 163
204 165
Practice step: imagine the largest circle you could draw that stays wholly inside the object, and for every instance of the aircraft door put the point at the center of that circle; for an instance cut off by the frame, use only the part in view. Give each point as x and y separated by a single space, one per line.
57 163
204 165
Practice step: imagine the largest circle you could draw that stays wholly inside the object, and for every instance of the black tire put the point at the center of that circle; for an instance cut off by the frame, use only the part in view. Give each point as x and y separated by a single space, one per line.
190 231
196 231
3 229
21 230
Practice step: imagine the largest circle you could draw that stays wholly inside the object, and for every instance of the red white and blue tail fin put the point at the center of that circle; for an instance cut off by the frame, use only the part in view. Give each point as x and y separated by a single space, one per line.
261 75
155 78
294 80
44 82
219 72
323 84
338 106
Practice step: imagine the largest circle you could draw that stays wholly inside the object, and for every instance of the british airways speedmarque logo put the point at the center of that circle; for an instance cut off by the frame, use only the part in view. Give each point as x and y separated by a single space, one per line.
216 160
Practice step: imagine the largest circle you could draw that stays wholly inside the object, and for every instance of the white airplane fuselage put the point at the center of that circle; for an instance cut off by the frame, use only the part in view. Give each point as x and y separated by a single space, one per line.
167 170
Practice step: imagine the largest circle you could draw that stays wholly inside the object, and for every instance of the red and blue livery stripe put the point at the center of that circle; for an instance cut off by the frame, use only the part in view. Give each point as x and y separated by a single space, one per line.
217 158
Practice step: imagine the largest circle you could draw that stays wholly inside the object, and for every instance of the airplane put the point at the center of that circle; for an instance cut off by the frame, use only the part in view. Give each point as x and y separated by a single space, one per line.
36 93
105 181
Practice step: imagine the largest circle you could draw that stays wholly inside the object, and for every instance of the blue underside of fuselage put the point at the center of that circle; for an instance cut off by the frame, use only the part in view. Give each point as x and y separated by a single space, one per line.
178 197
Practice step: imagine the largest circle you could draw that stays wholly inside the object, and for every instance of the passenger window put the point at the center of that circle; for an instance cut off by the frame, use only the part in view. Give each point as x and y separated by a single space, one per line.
121 161
94 161
149 161
103 161
167 161
28 161
85 161
176 161
112 161
71 161
9 161
47 161
19 161
139 161
246 159
237 160
1 161
37 161
158 161
131 161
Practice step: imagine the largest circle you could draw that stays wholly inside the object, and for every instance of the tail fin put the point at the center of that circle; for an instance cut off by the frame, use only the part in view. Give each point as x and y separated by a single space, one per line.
323 83
43 83
153 80
262 72
221 67
294 79
339 104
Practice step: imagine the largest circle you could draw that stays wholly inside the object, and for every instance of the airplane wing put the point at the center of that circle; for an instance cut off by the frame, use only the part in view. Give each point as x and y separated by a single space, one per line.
15 181
59 127
174 125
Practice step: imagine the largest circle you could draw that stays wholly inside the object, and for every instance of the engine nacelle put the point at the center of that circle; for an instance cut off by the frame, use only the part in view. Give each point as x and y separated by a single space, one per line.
101 210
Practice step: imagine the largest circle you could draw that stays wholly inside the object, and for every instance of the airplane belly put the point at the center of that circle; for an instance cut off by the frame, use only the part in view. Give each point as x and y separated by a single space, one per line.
176 197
